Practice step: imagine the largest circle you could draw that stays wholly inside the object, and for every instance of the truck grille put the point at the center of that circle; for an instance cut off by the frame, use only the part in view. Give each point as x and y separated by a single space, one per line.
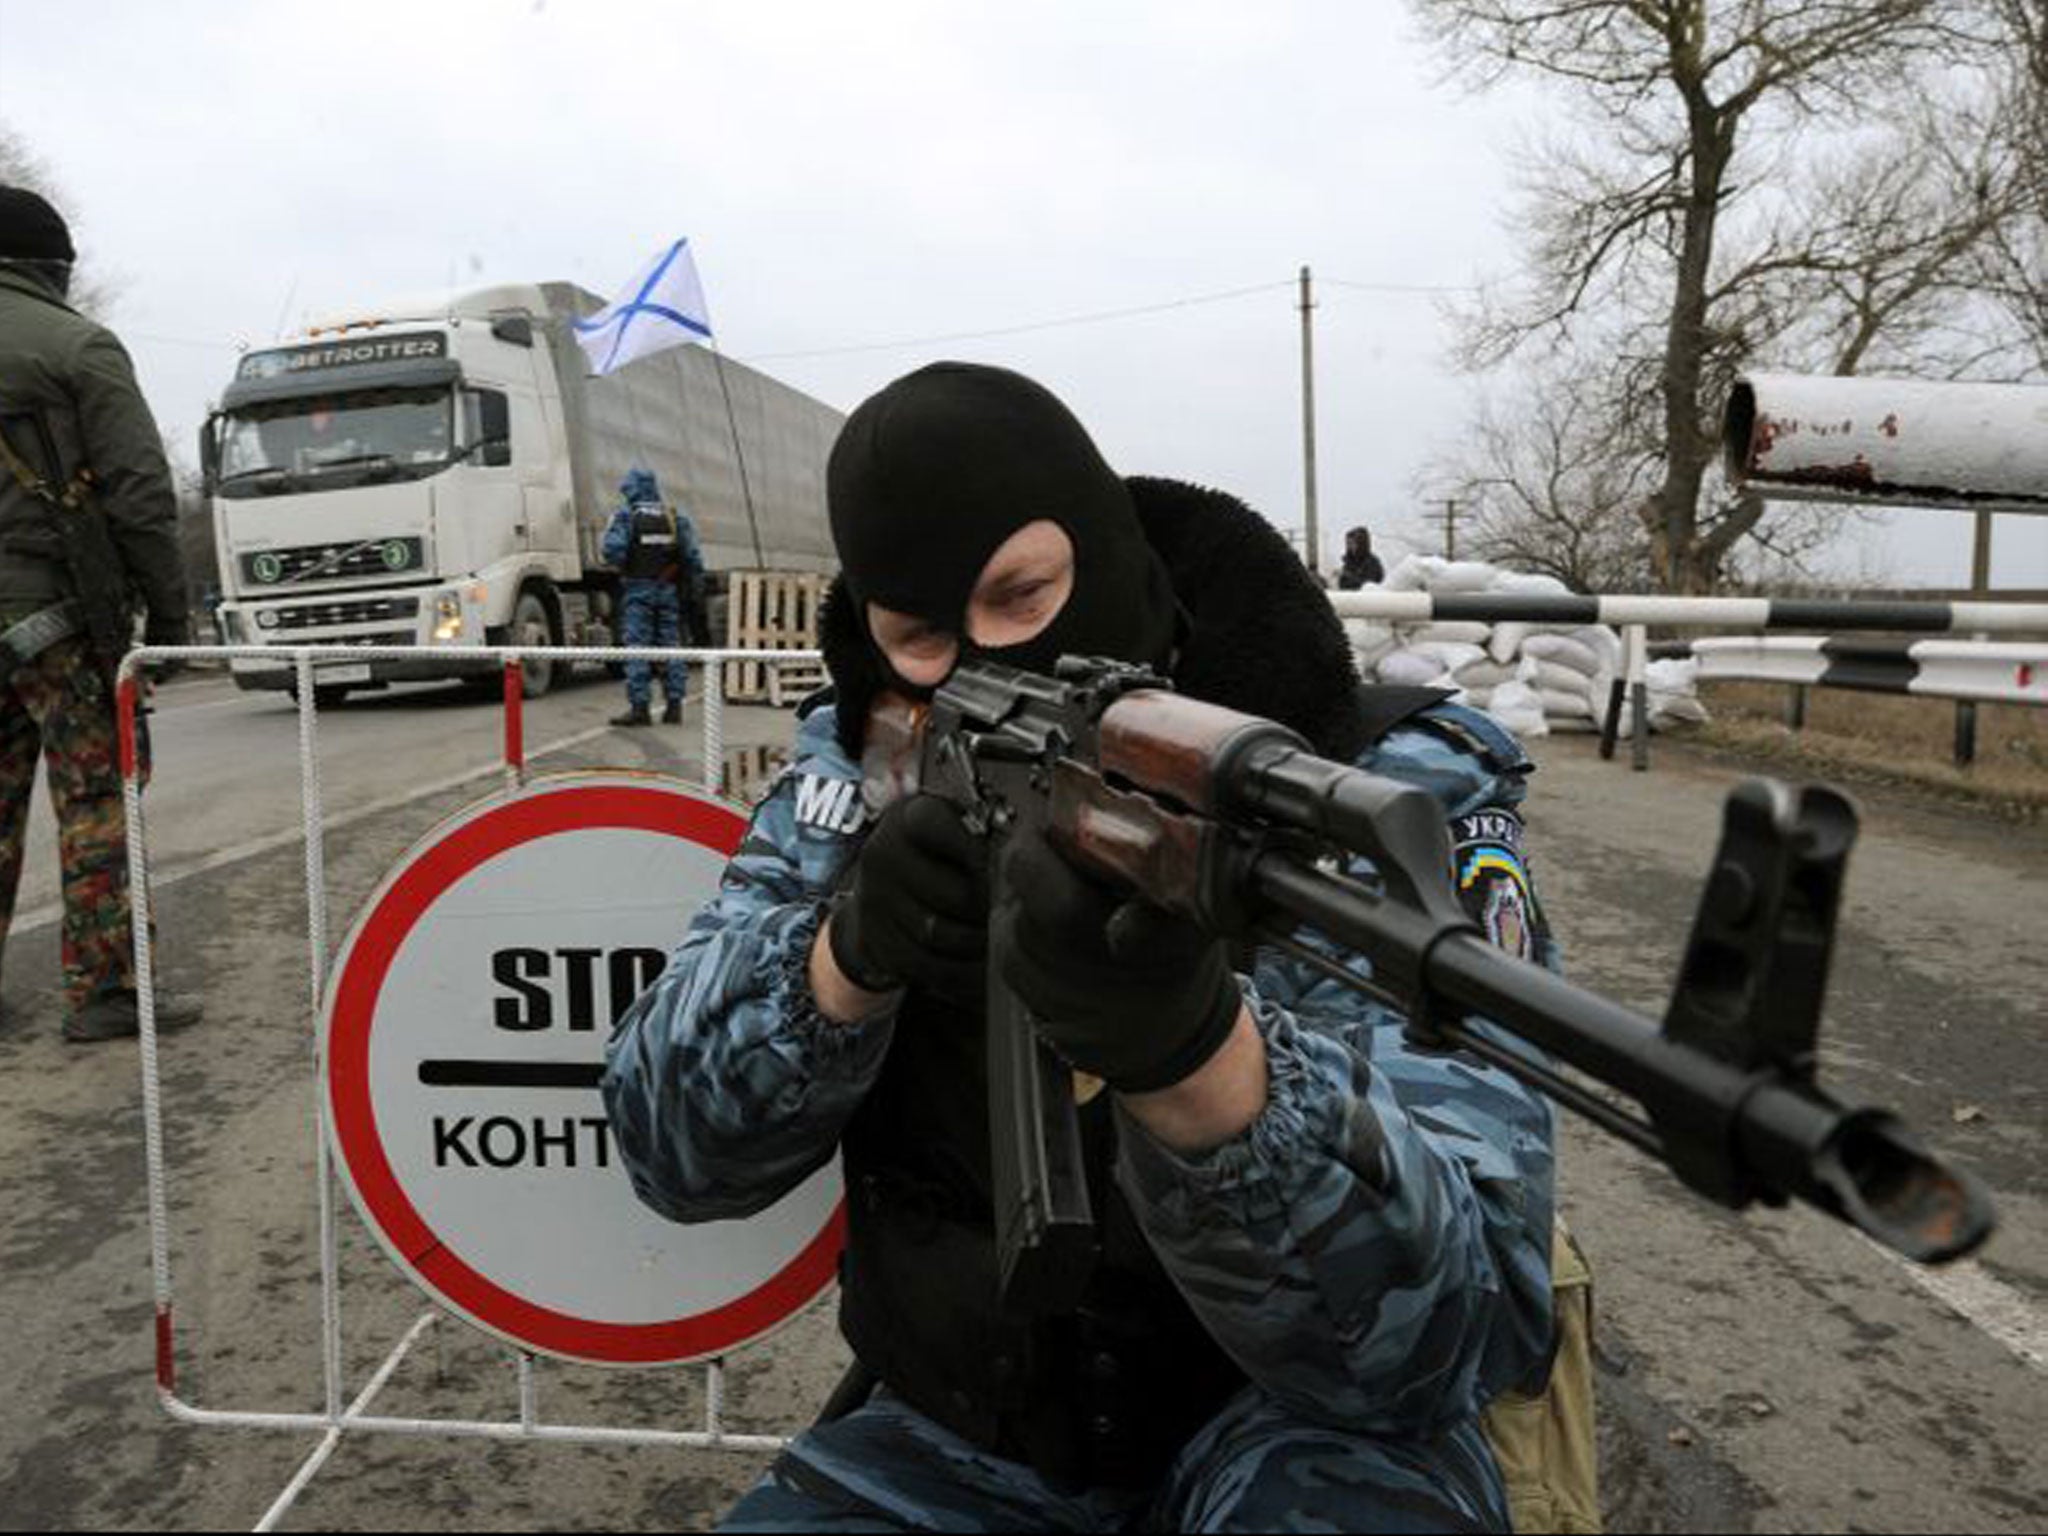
328 615
386 557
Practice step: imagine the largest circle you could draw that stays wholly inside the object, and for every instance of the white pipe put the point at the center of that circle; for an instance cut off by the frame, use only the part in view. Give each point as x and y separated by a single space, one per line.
1891 442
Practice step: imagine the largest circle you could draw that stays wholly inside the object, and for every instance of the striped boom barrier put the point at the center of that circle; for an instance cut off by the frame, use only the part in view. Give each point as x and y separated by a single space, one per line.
1695 612
1987 673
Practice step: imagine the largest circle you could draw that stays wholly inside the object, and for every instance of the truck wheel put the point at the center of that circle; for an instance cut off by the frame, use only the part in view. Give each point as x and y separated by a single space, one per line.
533 624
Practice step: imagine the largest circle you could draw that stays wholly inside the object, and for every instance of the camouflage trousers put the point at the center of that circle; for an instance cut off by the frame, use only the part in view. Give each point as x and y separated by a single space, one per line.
1254 1467
652 614
60 708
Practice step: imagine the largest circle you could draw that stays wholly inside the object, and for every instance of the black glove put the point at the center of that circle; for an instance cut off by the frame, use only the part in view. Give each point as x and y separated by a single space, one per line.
917 908
1120 988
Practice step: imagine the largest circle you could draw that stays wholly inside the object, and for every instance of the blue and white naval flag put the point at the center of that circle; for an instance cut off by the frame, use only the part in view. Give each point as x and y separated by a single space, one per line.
663 306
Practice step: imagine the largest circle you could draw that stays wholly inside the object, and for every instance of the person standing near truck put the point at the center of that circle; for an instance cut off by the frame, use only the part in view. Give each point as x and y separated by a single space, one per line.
87 518
654 547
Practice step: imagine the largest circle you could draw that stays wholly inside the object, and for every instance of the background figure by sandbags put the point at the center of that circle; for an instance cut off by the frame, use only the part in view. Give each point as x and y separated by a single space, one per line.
1361 566
654 547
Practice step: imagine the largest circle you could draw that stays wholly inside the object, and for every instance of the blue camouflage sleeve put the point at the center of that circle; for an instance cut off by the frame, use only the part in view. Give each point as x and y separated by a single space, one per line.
725 1086
617 536
1374 1250
692 553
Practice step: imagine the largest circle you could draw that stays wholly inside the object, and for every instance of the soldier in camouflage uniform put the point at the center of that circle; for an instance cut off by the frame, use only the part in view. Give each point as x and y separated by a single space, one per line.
1322 1252
654 547
73 417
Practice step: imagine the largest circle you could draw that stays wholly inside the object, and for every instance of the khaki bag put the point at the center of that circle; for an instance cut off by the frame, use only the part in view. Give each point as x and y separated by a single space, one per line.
1544 1442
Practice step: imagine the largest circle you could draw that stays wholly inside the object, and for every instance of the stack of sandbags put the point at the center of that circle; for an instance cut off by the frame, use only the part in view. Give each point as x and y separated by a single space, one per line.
1533 678
1673 689
1572 672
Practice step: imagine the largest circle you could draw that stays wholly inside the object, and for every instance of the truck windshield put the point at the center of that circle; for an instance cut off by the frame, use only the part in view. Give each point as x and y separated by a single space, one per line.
327 442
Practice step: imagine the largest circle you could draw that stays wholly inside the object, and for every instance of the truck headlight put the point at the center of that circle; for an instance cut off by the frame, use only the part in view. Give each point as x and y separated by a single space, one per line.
447 616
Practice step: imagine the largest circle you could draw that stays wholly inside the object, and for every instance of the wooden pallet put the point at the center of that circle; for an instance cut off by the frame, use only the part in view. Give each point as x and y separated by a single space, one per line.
773 611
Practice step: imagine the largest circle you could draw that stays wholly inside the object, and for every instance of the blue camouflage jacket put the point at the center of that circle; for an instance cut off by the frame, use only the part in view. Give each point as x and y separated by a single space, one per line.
1373 1251
618 535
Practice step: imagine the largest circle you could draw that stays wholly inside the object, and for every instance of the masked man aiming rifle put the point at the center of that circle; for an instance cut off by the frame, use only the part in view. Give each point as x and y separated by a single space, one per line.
1320 1252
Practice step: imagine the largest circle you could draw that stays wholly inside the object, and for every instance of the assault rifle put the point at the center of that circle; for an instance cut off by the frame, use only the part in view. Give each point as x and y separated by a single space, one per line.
81 542
1230 820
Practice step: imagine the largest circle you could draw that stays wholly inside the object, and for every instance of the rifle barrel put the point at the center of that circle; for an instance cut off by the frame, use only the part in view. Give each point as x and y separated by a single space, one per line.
1732 1134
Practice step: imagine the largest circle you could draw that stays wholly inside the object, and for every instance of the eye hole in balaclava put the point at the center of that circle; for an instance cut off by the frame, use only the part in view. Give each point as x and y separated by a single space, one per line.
932 475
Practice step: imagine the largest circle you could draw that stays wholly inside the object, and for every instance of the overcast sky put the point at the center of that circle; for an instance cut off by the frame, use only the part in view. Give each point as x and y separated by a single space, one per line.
849 175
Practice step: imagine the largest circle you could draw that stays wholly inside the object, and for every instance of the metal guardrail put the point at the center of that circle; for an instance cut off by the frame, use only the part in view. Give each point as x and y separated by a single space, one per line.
337 1417
1985 672
1633 614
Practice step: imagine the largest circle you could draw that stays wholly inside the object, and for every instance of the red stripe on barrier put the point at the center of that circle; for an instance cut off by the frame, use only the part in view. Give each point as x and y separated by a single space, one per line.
166 1360
515 719
124 716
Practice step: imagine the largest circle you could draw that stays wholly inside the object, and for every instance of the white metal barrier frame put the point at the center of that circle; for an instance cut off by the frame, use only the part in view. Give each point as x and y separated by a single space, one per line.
1633 615
336 1418
1976 671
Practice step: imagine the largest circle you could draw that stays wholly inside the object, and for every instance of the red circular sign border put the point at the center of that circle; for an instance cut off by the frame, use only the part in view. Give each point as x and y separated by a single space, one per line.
426 875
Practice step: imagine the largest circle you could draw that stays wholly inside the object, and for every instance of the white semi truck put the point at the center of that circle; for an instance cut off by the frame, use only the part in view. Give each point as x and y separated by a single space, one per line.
440 473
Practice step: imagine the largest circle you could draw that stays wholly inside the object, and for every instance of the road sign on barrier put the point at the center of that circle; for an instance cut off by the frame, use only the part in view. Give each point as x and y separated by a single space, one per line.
461 1049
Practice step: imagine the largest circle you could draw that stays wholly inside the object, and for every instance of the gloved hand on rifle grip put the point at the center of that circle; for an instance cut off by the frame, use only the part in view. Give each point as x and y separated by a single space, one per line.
1120 988
916 909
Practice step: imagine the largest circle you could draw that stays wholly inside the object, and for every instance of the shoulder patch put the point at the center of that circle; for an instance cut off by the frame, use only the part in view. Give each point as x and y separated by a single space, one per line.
1492 878
827 804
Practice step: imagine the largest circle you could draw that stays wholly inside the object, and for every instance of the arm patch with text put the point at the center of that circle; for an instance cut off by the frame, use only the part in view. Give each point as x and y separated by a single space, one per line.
1492 877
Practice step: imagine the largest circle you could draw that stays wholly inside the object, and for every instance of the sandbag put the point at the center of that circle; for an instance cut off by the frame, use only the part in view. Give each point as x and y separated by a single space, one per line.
1565 651
1460 632
1516 706
1485 674
1529 584
1604 642
1553 678
1415 669
1560 705
1433 573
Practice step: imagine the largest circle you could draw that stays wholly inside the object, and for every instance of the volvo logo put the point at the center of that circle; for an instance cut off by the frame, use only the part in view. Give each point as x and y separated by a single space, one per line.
397 554
267 567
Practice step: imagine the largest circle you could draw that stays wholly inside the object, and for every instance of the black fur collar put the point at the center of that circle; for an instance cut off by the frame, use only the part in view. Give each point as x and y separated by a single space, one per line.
1258 636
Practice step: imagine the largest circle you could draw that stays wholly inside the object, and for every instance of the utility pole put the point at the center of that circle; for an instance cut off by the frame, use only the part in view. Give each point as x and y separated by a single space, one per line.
1450 528
1308 426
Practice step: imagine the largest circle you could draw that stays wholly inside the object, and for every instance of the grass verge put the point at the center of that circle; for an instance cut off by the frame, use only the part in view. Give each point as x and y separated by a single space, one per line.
1888 739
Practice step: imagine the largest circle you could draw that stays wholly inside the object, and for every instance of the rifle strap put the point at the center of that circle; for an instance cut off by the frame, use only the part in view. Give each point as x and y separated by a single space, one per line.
70 498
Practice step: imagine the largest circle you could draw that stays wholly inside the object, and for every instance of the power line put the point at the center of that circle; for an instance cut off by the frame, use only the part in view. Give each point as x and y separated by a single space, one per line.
216 345
1338 282
1094 318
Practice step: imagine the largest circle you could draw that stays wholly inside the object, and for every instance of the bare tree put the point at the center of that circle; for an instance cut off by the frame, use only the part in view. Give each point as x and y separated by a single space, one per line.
92 293
1674 234
1539 487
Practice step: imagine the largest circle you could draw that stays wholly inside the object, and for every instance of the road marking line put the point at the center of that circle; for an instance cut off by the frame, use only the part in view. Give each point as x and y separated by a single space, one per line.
44 916
1985 1301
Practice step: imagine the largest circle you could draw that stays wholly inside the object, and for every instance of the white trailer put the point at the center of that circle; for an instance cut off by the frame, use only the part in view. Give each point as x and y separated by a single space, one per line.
440 473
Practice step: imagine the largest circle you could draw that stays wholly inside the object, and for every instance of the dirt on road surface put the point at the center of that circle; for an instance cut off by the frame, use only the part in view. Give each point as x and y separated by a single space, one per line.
1766 1371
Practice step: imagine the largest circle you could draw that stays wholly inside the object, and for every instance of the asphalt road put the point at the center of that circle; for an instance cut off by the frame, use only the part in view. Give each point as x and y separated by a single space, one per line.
1768 1371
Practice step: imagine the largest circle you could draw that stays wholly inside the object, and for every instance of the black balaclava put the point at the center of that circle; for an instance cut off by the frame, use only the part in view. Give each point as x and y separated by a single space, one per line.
931 475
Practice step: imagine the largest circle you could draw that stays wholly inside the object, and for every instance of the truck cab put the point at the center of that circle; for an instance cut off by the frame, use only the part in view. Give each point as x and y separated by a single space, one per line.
402 477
